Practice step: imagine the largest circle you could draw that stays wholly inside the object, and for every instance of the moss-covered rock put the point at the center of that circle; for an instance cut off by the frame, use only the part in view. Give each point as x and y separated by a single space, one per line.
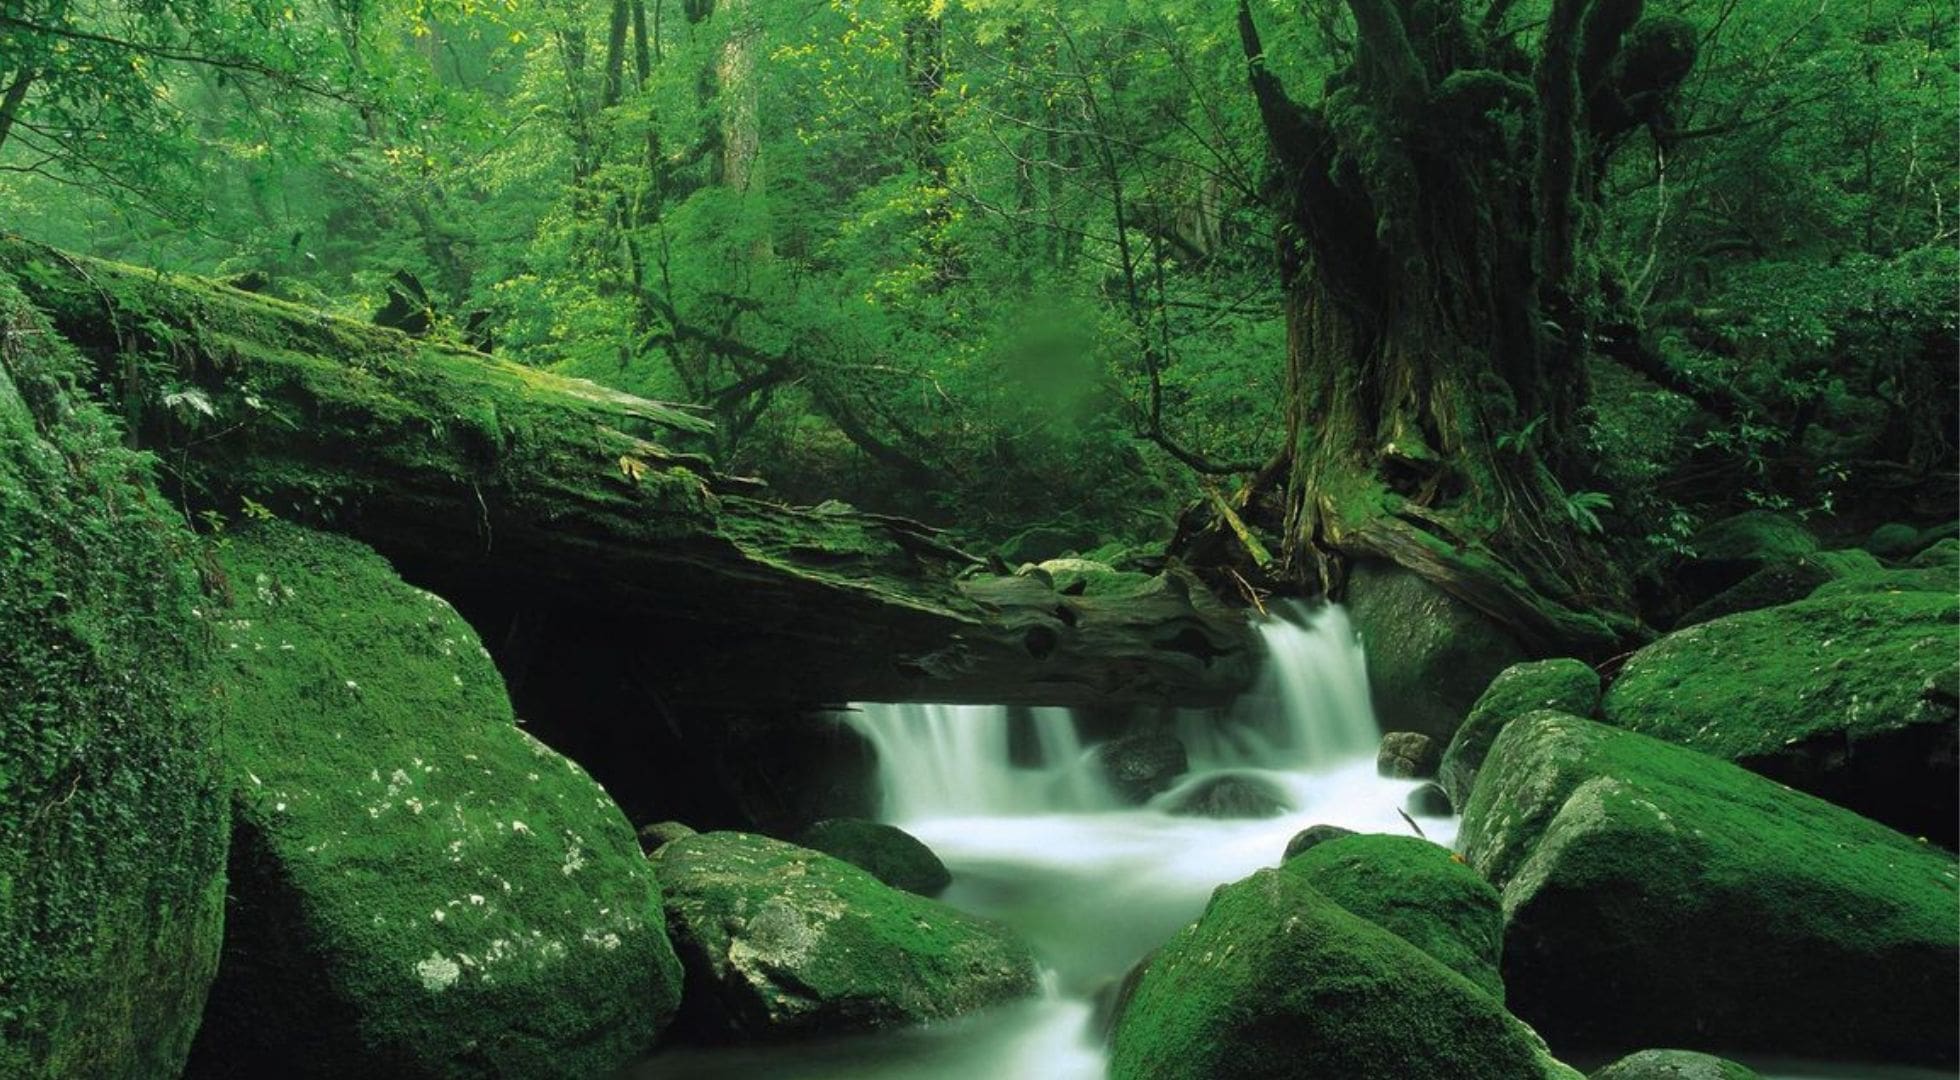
1312 837
112 824
1784 581
1655 895
419 888
1565 685
1894 540
1277 981
1738 545
780 941
1836 696
1941 555
1418 891
1674 1065
886 852
1933 579
661 833
1429 654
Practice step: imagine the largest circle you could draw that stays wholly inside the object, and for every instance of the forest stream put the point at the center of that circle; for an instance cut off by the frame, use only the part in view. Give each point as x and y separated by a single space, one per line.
1043 846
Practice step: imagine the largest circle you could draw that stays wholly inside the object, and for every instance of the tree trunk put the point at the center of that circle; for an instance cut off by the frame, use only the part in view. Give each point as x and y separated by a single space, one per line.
1432 207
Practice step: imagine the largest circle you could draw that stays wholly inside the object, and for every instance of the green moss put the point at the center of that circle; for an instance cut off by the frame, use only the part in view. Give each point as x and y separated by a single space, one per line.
1429 654
419 887
1654 895
1566 685
1752 683
782 941
885 852
1755 536
112 834
1276 981
1417 891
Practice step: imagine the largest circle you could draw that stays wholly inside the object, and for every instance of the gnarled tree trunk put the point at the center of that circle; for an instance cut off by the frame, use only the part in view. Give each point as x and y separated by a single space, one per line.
1433 213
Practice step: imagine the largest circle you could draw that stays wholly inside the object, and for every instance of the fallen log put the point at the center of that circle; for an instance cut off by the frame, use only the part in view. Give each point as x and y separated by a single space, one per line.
532 500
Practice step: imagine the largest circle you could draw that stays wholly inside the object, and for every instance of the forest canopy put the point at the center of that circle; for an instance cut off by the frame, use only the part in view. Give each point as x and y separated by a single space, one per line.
1022 269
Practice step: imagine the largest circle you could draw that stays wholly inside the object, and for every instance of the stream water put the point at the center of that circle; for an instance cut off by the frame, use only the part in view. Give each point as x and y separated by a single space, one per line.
1043 846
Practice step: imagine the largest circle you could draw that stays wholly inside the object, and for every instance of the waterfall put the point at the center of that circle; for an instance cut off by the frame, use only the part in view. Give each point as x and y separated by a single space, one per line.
1309 710
1310 707
956 761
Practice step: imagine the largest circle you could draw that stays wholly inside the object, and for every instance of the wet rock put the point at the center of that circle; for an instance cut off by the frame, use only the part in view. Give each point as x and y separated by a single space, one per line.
1654 895
1566 685
1311 837
1277 981
1429 800
1408 755
1138 767
417 886
1674 1065
1229 796
1838 696
1429 654
780 941
886 852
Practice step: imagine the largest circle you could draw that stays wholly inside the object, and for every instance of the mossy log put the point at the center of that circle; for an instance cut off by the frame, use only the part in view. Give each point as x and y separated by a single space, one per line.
509 490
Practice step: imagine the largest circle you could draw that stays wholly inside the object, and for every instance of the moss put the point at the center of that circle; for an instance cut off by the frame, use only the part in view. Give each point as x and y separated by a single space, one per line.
1429 654
1566 685
1417 891
1654 895
1830 695
1276 980
885 852
1674 1065
1893 541
112 835
420 888
781 941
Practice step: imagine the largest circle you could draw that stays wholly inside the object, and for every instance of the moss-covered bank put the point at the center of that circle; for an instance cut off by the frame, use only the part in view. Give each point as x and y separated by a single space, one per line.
112 831
420 889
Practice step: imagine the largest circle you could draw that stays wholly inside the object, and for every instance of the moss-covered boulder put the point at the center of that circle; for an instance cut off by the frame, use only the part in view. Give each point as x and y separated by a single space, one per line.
1429 654
781 942
886 852
1843 697
1277 981
1943 554
419 888
1729 550
1417 891
1893 540
1657 896
1933 579
112 823
1312 837
1565 685
1674 1065
1784 581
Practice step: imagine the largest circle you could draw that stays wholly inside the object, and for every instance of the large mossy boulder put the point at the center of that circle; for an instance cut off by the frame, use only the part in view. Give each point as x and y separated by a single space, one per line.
783 942
1731 549
886 852
1849 698
1658 896
419 888
112 822
1429 654
1277 981
1566 685
1417 891
1784 581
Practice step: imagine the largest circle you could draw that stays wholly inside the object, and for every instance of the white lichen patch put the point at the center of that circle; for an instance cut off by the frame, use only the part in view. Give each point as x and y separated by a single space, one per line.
438 972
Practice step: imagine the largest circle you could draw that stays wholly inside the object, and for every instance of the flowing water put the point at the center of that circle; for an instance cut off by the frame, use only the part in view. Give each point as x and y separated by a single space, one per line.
1036 840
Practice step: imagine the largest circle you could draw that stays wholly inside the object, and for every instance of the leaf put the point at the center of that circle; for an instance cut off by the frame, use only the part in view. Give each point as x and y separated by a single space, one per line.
190 401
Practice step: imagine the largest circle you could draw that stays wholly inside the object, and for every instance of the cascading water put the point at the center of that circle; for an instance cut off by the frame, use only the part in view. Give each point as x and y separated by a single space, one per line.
1043 846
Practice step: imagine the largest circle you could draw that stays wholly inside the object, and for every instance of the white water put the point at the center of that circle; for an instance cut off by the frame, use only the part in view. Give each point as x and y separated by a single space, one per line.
1093 885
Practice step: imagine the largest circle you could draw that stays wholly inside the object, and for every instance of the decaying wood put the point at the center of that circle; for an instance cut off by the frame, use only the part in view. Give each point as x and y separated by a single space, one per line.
516 493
